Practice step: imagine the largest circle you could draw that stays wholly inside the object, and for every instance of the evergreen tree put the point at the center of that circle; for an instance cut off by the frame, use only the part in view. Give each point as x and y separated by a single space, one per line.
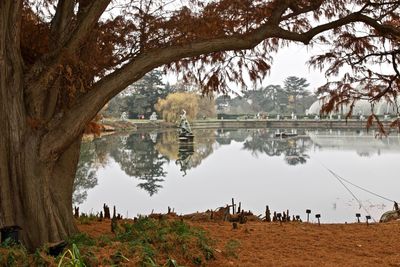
295 88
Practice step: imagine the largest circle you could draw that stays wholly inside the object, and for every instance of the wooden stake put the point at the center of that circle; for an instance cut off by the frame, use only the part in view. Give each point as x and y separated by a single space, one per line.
267 214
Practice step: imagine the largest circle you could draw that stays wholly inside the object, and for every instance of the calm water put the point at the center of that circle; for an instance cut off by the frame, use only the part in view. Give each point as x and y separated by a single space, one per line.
141 172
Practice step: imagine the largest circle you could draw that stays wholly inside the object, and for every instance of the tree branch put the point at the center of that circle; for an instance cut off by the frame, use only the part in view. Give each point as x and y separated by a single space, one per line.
43 72
86 23
72 123
62 132
381 28
61 23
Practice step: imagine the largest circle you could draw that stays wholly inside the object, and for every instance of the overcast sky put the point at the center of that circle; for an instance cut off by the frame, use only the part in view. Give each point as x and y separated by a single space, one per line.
289 61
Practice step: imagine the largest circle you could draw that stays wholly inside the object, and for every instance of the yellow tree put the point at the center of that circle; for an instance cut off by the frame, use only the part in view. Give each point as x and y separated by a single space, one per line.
173 104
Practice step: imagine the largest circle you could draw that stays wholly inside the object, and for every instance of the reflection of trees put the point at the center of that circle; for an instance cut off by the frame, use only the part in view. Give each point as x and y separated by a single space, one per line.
144 155
85 177
187 155
366 154
295 154
264 142
260 142
203 147
167 145
225 137
139 158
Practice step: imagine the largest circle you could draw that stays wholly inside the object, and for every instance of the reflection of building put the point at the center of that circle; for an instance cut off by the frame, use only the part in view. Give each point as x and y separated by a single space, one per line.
364 144
361 107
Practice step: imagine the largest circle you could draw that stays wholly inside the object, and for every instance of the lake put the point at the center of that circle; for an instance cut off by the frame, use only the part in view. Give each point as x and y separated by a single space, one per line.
149 171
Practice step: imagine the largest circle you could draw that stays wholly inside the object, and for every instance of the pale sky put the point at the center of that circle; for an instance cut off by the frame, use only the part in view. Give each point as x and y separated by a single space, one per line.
289 61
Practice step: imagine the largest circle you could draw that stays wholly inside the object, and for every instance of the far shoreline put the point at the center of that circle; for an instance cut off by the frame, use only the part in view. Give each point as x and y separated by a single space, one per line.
132 125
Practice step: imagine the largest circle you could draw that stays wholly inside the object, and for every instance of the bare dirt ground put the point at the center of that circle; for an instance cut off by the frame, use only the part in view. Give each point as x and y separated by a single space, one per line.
296 244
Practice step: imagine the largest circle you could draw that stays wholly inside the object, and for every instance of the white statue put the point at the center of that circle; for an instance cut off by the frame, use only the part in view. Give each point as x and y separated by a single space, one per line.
153 116
184 126
124 116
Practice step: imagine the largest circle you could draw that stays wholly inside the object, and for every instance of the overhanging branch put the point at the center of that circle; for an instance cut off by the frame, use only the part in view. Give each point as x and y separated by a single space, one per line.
61 23
86 22
64 131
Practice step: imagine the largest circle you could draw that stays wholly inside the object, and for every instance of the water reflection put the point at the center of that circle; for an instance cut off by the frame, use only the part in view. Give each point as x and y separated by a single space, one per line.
293 149
138 157
147 157
86 173
185 153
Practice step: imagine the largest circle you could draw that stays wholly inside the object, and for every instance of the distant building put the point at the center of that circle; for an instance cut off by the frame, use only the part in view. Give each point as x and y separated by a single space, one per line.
361 107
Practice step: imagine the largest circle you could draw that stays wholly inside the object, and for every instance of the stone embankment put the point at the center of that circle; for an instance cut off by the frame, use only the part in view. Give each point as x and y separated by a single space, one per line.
129 125
333 124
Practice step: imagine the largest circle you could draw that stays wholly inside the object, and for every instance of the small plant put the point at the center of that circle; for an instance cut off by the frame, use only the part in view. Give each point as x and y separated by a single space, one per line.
71 258
231 248
8 243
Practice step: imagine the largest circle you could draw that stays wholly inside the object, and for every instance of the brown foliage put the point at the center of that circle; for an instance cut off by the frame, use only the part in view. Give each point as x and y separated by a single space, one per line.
78 55
147 25
94 127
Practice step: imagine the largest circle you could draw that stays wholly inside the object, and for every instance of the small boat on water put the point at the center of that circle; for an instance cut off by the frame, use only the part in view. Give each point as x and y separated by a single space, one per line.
285 135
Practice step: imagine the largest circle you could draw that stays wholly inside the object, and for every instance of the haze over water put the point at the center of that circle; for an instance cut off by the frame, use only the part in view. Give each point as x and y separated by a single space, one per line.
149 171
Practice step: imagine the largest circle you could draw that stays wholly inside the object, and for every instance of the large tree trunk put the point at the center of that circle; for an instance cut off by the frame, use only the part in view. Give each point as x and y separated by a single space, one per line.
35 193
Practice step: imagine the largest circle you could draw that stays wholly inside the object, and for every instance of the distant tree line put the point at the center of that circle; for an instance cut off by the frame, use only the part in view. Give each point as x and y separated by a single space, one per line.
139 98
294 97
151 94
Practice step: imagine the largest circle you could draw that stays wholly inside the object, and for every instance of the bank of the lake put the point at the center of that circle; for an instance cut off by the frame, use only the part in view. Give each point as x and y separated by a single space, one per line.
287 123
189 243
128 125
291 244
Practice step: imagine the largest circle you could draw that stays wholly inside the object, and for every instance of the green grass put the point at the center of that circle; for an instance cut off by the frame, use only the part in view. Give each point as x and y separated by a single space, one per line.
82 239
13 255
87 219
150 237
231 248
71 258
150 242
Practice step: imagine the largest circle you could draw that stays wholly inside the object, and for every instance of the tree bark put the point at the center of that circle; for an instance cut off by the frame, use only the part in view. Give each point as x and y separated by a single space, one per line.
34 194
37 195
